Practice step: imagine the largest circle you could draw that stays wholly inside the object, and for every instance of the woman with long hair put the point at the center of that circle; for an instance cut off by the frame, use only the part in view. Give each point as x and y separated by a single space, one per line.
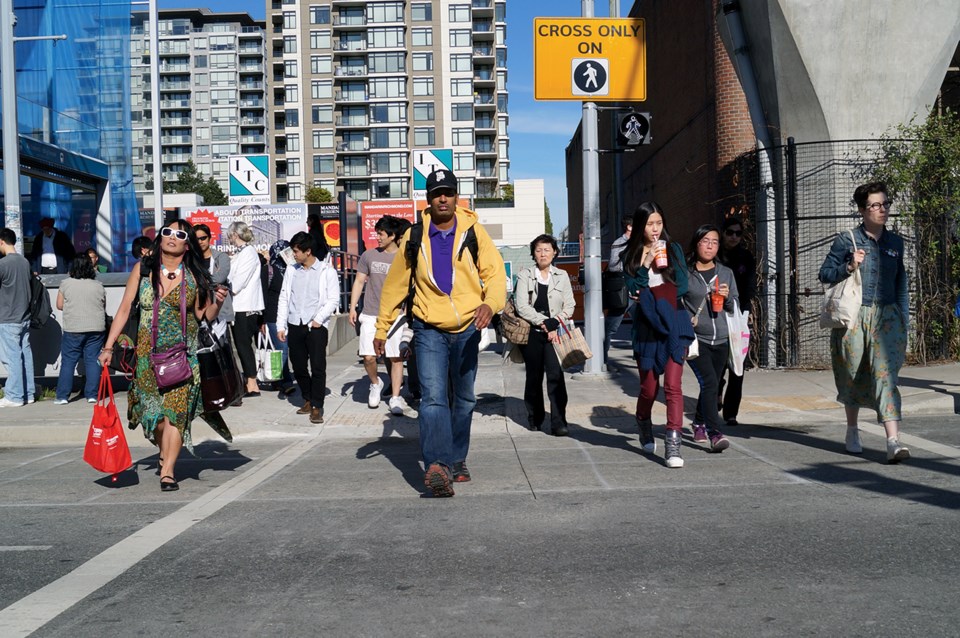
544 298
248 302
657 279
710 281
174 268
82 299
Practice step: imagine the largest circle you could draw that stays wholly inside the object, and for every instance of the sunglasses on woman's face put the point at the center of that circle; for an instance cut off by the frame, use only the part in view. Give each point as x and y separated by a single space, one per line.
173 232
733 233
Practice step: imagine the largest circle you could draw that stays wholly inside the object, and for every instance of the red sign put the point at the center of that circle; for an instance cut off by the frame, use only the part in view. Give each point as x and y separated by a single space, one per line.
331 230
371 212
203 216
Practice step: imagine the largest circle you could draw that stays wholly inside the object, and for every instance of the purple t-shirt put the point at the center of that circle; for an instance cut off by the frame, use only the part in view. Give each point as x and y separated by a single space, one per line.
441 248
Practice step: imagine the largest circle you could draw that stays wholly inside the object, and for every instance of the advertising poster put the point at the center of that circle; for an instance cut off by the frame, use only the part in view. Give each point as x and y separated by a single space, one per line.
269 223
371 212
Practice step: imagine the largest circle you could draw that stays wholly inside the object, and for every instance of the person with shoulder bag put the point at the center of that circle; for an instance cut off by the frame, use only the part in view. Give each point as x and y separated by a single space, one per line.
657 281
83 301
867 354
544 299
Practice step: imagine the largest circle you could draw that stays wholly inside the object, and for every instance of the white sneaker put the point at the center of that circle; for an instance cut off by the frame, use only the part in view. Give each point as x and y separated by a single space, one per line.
853 444
373 399
7 403
91 400
896 452
61 402
398 406
31 400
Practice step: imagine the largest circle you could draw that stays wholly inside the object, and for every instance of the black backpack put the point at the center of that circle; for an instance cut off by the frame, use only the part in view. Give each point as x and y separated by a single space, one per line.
413 251
40 308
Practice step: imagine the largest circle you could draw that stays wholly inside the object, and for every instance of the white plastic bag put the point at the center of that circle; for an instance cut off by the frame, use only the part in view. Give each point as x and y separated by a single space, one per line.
738 332
269 360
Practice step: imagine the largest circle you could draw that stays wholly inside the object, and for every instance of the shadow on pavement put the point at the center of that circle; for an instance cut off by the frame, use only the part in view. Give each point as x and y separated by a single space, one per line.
935 386
402 451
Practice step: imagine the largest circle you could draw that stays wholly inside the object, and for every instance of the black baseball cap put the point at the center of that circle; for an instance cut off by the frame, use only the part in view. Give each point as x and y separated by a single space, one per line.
443 178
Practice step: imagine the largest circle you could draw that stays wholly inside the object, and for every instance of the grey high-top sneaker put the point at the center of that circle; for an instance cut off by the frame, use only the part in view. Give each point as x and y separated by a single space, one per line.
646 436
671 444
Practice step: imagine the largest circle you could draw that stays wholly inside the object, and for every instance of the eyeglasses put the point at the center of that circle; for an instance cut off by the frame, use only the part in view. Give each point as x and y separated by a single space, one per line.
173 232
733 233
875 206
708 242
202 237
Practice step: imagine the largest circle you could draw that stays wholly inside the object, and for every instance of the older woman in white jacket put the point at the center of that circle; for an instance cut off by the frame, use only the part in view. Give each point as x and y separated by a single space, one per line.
543 297
248 303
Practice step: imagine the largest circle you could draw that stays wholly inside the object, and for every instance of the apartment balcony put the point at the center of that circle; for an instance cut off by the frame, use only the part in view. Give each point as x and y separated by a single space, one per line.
350 71
349 21
353 171
250 68
483 26
360 146
350 45
246 149
487 173
484 78
175 68
249 103
251 86
484 101
181 158
485 149
252 121
250 50
485 51
175 139
485 123
175 104
253 139
482 4
352 96
251 32
353 121
178 85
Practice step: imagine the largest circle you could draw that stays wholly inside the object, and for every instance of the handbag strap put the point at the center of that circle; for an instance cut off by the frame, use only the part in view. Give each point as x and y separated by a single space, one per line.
183 311
105 384
853 239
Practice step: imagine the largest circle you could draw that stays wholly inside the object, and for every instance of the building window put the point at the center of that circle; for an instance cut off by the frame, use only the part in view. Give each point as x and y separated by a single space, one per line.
463 162
393 187
321 89
388 113
461 112
321 64
388 138
293 167
503 149
295 192
385 12
386 38
460 37
289 44
289 20
289 68
323 139
460 13
461 87
423 112
320 39
389 162
422 61
422 36
423 86
460 62
293 142
291 93
319 15
424 136
421 11
322 164
291 117
389 87
462 137
322 115
388 62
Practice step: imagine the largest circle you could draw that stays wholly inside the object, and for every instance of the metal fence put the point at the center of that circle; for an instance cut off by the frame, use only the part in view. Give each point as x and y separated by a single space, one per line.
796 198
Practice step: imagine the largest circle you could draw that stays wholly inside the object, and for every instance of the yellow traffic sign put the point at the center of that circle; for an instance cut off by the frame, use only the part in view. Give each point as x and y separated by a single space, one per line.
589 59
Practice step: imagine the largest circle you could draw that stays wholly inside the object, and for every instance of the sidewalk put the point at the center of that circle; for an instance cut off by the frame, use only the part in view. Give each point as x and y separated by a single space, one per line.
770 397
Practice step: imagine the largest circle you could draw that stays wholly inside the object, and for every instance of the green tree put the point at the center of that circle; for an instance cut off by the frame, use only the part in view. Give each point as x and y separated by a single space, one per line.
188 181
547 223
506 192
920 164
212 194
318 195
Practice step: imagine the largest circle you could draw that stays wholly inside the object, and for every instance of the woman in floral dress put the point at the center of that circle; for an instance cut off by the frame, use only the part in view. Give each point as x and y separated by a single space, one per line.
176 265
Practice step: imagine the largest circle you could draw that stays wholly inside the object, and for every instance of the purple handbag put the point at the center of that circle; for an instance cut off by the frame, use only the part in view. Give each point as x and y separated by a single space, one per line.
171 367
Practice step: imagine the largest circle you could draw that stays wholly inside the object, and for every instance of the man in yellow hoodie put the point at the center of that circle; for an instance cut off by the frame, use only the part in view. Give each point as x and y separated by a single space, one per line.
454 299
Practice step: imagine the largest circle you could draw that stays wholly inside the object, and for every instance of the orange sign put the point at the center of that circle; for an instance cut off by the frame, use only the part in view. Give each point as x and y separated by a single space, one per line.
331 230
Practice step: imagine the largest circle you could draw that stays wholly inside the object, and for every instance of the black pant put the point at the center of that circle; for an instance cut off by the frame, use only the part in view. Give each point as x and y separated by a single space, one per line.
245 328
308 347
733 395
709 368
540 358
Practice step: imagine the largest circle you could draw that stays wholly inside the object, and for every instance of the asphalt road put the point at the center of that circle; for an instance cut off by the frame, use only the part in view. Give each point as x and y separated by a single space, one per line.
782 535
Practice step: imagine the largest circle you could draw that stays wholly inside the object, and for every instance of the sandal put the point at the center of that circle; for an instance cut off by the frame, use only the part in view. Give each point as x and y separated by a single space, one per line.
169 485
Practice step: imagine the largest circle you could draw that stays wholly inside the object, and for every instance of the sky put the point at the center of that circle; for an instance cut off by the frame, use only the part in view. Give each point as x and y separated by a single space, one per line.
539 131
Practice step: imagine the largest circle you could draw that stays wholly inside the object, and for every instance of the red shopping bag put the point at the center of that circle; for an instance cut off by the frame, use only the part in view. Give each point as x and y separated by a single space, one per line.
106 449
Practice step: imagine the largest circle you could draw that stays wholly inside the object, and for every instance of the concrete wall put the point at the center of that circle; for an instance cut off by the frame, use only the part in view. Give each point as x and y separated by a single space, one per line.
522 222
851 69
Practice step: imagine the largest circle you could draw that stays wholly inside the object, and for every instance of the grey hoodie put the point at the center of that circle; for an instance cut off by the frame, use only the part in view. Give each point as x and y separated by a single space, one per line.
711 327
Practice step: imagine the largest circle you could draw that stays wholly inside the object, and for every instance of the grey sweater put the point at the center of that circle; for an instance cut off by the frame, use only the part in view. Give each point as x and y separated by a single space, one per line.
711 327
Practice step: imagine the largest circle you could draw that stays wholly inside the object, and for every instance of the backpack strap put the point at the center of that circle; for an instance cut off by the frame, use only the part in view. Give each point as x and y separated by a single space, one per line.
413 256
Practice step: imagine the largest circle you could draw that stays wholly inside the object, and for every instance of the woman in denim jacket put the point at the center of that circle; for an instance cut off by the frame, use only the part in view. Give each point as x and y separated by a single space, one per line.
544 298
868 356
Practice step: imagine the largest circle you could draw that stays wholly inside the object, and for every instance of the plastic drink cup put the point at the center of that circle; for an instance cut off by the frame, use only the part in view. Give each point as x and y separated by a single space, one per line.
660 254
716 301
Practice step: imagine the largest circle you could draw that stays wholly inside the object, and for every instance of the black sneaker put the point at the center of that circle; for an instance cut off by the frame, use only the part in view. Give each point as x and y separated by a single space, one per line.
439 480
460 472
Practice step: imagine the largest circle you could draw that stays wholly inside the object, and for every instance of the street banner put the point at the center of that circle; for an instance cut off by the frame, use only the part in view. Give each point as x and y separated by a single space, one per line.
268 223
371 212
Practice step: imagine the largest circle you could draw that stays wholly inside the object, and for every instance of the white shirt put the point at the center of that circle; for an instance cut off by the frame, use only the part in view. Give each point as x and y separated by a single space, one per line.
49 258
244 280
308 294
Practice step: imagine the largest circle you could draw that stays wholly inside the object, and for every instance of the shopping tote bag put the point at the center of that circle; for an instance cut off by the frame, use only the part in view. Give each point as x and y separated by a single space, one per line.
106 449
571 347
269 360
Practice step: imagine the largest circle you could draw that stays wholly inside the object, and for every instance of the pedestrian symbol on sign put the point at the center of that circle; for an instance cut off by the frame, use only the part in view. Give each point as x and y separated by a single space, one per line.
589 76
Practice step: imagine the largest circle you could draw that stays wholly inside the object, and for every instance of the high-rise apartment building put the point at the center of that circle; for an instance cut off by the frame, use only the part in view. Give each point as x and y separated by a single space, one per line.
357 85
212 92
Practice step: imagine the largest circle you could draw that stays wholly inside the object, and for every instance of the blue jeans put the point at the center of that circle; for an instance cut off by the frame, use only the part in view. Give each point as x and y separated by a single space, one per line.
73 347
286 378
446 363
17 358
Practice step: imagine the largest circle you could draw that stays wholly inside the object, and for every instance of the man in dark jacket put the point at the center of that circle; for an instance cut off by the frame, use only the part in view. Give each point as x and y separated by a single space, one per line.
52 251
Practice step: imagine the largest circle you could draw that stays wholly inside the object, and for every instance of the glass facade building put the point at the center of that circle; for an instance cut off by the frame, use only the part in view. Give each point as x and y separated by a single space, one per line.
74 94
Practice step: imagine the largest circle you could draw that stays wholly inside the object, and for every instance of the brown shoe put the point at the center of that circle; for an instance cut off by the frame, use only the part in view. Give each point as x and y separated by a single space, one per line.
305 409
316 415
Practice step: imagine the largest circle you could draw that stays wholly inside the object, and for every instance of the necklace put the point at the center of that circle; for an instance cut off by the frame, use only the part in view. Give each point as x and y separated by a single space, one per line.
171 275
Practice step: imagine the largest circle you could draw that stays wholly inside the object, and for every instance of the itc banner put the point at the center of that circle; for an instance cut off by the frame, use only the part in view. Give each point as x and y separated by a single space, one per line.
269 223
371 212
